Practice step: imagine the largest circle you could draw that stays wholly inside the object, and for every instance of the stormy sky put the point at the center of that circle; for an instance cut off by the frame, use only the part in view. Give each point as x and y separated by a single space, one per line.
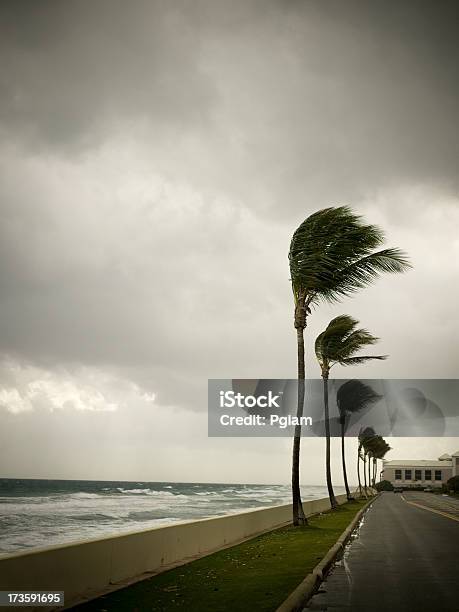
155 158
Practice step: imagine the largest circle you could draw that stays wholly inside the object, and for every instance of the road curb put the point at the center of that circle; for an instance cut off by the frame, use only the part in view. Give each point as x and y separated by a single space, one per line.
306 589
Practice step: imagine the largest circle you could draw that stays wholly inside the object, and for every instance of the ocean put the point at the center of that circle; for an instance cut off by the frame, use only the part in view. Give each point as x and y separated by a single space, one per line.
38 513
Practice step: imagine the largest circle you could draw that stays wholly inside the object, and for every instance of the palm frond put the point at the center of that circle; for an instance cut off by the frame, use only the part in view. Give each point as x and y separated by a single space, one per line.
340 342
366 433
363 359
332 255
355 396
363 272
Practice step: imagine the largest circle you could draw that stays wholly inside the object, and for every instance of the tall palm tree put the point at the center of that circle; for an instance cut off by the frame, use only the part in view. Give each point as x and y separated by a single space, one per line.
339 344
353 396
332 255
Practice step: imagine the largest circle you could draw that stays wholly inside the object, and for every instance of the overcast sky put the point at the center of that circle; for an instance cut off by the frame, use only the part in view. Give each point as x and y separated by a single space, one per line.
156 157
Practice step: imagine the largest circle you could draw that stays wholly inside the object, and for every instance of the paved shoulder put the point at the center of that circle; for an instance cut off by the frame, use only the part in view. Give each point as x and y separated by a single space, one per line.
404 558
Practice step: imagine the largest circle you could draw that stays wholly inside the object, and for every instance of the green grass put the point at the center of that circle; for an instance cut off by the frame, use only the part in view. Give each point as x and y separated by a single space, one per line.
256 575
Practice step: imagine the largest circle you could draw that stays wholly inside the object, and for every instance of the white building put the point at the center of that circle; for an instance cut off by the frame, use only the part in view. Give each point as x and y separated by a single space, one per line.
421 472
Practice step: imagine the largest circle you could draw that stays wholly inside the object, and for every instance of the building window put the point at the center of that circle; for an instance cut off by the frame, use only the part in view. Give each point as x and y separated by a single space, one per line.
407 474
437 474
417 475
398 474
428 475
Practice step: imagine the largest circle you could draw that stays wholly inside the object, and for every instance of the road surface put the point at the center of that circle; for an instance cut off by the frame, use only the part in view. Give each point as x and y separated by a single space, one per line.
405 557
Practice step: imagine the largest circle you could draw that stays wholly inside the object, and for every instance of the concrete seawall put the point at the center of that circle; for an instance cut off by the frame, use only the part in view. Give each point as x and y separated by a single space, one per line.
84 570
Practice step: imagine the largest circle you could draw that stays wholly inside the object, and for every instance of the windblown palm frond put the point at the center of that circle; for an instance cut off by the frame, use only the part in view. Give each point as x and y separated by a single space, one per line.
332 254
372 444
381 449
365 434
341 340
359 360
354 396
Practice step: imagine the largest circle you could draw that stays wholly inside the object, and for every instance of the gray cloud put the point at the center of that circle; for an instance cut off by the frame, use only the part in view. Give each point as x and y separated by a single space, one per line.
297 102
73 72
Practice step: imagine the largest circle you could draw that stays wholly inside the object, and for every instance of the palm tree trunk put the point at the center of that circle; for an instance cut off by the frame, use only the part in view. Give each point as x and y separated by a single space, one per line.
331 493
369 471
358 470
343 461
365 472
299 517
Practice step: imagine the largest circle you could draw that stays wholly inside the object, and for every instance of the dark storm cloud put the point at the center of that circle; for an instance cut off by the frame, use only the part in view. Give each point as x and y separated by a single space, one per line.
71 71
299 100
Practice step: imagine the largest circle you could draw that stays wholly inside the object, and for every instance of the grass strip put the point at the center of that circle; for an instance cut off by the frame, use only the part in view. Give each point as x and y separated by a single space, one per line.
256 575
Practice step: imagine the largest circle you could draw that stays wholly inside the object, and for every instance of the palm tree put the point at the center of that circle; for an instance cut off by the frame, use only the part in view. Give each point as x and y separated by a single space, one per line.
378 452
332 255
371 444
384 452
353 396
364 436
338 344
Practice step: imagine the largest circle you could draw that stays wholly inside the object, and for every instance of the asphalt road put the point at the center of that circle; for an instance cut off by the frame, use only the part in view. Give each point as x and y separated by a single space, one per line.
404 558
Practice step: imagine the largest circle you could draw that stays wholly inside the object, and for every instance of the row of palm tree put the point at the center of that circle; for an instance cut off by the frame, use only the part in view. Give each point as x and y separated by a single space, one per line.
333 254
339 344
353 396
371 447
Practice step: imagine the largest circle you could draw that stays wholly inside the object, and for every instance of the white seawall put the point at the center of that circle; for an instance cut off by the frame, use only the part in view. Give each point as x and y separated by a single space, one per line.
84 570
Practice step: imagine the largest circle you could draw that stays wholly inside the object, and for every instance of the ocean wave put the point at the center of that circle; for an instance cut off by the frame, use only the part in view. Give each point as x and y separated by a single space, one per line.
152 493
25 500
83 495
95 516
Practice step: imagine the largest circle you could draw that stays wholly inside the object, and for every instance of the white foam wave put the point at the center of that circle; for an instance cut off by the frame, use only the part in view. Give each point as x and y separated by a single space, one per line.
151 493
82 495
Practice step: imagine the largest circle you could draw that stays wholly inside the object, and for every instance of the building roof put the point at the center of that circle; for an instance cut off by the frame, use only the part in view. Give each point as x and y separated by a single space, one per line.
444 457
417 463
456 454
